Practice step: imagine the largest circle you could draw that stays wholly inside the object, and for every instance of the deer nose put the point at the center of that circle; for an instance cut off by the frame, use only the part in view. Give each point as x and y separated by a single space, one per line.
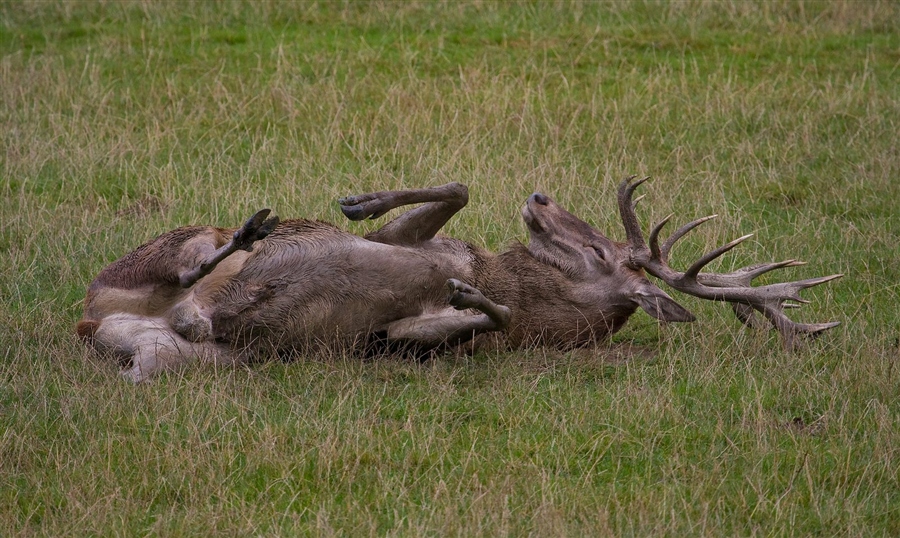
540 198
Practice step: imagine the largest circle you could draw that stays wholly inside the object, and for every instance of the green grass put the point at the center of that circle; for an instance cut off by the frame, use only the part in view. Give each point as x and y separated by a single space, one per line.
121 120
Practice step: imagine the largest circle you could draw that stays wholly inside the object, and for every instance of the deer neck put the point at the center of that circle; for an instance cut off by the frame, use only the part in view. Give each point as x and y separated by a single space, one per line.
547 308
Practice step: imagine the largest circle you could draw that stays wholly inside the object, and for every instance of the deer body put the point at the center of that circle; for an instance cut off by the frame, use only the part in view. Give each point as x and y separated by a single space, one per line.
233 295
309 282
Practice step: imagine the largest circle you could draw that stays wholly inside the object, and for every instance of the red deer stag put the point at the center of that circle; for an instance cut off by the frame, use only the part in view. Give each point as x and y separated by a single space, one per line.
231 296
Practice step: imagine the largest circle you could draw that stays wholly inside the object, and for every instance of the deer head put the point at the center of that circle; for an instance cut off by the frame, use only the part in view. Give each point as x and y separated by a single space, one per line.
600 267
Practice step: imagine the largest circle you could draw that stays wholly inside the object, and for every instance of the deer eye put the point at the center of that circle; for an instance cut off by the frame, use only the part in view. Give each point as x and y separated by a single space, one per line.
598 251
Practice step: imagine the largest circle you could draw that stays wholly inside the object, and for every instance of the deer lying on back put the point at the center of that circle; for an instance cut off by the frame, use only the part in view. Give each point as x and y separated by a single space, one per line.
230 296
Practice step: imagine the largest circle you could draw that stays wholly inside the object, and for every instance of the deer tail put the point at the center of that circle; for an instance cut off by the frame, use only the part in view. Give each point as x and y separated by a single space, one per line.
86 329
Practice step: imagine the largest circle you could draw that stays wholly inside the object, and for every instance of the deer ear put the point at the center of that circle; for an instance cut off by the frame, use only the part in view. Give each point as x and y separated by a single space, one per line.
658 304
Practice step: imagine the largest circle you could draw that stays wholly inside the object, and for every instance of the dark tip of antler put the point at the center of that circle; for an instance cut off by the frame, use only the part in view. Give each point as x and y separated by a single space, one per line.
632 186
627 188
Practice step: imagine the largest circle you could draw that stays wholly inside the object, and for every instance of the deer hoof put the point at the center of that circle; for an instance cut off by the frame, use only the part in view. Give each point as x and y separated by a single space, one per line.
463 296
257 227
362 207
353 212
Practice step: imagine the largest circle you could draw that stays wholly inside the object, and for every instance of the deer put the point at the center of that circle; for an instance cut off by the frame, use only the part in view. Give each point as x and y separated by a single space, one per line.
274 288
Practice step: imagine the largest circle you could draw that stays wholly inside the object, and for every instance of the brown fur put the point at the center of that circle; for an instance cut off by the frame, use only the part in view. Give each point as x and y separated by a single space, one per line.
547 310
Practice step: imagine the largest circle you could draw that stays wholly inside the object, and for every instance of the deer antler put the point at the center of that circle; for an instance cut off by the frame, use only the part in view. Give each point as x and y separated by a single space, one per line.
770 300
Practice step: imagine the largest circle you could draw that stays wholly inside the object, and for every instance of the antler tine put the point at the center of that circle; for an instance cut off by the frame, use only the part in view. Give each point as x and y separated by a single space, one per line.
694 269
771 300
637 183
753 271
626 212
654 239
814 329
790 291
810 282
790 329
681 232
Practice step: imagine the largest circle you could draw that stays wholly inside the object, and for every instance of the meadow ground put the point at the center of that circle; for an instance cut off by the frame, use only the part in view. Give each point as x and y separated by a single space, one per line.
120 120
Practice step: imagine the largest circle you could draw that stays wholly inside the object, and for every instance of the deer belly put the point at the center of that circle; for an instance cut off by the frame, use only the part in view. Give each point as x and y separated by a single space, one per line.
327 301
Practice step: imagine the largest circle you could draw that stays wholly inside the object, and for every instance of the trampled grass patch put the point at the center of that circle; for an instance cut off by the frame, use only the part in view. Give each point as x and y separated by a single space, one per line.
123 120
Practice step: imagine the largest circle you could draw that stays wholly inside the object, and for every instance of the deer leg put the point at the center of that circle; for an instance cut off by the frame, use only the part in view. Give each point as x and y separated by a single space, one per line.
451 327
415 226
257 227
148 346
168 353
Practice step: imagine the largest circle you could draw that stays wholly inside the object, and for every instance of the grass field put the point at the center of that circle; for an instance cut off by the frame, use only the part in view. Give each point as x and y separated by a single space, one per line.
120 120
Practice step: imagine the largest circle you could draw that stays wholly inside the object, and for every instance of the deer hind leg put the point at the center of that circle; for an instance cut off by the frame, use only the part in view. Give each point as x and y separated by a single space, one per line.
166 352
452 327
147 346
257 227
415 226
187 320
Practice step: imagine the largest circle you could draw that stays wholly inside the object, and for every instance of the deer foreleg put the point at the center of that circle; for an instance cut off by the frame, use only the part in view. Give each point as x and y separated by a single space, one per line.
256 228
415 226
451 328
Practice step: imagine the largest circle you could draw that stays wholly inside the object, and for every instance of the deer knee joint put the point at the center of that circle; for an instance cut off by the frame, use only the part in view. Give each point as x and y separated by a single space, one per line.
187 321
